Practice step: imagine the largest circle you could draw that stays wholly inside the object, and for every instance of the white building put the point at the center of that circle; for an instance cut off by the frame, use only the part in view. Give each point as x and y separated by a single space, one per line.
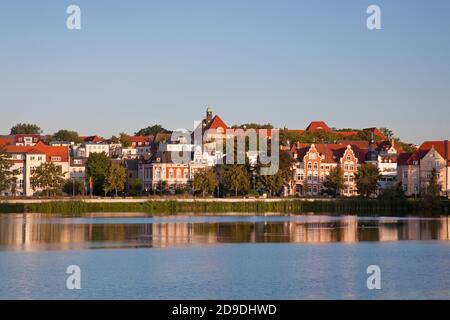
95 148
27 158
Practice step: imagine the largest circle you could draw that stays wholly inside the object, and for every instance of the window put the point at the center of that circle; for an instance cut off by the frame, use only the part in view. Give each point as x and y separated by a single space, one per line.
56 158
186 174
178 173
315 166
351 167
171 174
309 165
32 158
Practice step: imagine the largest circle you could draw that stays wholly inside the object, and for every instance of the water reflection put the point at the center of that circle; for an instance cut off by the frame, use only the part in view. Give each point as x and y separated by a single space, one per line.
32 232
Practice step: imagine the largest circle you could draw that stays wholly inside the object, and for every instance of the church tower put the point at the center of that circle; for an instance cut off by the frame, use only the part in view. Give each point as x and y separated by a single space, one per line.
209 114
372 154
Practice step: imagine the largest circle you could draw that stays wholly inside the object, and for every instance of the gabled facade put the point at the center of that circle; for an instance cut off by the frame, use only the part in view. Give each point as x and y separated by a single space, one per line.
315 162
414 170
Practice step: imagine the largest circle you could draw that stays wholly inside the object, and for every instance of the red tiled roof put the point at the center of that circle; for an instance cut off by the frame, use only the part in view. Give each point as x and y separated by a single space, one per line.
93 139
216 123
318 125
137 139
362 144
403 158
439 146
331 152
7 140
22 149
41 148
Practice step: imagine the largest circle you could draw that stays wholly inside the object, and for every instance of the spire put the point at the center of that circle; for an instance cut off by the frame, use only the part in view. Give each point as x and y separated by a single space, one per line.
209 113
372 155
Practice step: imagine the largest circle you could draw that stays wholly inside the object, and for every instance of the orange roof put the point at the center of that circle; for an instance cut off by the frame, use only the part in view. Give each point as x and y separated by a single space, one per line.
137 139
216 123
7 140
22 149
403 158
93 139
439 146
318 125
442 147
41 148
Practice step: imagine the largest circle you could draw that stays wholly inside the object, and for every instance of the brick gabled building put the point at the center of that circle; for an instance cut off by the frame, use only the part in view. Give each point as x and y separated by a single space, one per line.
315 162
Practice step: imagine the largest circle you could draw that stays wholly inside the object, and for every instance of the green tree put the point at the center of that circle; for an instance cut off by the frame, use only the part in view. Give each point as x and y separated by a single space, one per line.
125 140
287 167
74 187
8 178
136 186
25 128
152 131
205 181
393 193
367 179
282 178
115 178
334 182
236 178
433 189
49 177
271 183
388 133
66 135
161 186
96 167
253 126
431 196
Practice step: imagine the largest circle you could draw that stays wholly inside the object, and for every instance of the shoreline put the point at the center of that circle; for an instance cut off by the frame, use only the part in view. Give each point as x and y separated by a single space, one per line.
178 206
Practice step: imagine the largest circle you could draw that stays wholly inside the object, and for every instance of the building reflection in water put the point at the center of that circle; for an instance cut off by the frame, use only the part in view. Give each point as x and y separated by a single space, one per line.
30 232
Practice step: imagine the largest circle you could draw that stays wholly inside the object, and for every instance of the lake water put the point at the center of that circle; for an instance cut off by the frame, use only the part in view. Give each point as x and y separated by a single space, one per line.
231 257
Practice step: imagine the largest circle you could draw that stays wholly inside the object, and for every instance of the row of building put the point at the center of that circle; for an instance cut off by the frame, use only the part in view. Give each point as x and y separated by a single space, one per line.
149 158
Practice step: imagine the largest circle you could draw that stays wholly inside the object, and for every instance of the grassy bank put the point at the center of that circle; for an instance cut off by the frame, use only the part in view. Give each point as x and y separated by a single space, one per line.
351 206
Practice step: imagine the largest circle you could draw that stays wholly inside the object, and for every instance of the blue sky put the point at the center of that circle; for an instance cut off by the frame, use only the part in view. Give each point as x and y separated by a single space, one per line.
136 63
